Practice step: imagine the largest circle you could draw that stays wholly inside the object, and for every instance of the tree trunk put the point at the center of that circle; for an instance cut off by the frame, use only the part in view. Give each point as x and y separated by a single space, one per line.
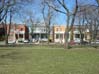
7 30
67 32
66 39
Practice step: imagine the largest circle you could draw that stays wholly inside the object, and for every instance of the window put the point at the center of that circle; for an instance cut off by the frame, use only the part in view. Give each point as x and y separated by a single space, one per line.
44 30
57 29
21 29
12 30
77 35
61 36
57 36
20 35
16 36
60 29
43 36
82 36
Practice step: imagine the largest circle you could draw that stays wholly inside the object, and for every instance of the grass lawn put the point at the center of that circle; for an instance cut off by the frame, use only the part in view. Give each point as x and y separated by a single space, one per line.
48 60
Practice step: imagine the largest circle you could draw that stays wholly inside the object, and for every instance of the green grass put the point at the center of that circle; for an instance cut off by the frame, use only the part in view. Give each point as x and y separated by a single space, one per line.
46 60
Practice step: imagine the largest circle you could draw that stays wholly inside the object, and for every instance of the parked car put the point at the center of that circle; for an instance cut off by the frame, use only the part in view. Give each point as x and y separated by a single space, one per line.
44 39
11 41
84 42
26 41
72 42
95 42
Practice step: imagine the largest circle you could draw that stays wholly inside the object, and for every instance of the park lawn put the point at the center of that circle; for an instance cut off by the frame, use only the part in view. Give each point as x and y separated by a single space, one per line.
48 60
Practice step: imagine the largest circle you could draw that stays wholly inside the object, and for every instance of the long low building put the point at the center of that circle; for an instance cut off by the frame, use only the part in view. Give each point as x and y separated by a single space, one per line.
39 32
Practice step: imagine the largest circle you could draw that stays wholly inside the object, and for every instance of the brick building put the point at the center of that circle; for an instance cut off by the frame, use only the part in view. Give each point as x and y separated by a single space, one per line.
17 32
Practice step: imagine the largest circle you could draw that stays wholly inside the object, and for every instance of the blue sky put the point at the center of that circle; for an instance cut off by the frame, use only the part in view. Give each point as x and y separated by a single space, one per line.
35 8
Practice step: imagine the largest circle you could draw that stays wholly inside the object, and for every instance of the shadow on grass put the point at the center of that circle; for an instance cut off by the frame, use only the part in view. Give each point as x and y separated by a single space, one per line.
12 57
9 55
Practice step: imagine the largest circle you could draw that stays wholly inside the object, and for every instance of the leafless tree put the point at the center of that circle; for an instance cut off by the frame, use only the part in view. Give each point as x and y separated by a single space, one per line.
93 20
68 13
48 15
89 14
9 8
97 2
4 7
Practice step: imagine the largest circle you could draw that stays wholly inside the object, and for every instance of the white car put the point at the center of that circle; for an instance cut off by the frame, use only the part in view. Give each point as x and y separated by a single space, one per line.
11 41
25 41
95 42
77 40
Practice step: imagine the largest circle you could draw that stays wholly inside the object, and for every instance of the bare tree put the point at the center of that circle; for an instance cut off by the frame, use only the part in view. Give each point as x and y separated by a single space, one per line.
9 8
48 15
68 13
8 27
93 22
4 7
31 21
89 14
97 2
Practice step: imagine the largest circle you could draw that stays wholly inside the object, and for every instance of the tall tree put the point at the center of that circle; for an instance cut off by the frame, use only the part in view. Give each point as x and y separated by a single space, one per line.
48 15
70 15
89 13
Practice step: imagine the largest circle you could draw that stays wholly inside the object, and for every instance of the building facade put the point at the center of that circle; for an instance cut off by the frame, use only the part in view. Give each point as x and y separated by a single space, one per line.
59 34
39 33
21 33
15 32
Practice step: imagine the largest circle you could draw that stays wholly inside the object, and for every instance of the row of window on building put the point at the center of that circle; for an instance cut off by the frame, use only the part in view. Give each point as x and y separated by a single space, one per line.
21 32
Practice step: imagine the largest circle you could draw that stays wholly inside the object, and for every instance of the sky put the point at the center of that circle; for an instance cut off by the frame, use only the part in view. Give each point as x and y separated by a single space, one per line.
35 8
